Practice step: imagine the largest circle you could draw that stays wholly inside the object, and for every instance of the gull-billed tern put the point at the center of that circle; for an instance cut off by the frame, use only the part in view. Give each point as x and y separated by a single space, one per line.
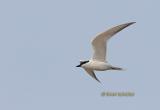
98 61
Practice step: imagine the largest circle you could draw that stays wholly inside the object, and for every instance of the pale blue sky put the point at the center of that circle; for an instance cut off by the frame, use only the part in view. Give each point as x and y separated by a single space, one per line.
41 42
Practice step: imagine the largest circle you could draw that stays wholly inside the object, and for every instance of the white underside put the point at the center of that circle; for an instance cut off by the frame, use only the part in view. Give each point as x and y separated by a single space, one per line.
97 65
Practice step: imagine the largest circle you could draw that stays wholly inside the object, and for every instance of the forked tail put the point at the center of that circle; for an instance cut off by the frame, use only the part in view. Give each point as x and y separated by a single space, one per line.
116 68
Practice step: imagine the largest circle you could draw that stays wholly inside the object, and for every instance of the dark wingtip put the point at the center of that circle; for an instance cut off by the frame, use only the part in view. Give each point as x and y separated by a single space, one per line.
97 79
128 24
131 23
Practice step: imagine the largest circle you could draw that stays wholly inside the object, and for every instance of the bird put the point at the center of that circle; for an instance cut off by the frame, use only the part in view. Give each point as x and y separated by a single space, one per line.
98 60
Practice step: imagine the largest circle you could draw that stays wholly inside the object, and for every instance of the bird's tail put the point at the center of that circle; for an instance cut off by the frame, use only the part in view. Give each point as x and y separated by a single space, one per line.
117 68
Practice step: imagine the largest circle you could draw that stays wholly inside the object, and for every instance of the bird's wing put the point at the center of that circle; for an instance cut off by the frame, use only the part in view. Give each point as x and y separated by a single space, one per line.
99 42
91 73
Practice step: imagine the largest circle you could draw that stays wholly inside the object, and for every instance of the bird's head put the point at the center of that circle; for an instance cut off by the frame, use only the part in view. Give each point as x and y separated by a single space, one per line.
82 63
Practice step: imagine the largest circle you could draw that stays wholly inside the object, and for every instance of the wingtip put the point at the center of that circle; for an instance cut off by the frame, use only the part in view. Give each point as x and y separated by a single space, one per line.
132 22
129 23
99 81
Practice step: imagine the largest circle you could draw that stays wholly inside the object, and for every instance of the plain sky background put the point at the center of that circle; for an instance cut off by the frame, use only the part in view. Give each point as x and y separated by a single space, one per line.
41 42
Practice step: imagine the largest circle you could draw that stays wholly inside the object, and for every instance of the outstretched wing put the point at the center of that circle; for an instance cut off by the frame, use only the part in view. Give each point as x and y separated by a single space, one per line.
91 73
99 42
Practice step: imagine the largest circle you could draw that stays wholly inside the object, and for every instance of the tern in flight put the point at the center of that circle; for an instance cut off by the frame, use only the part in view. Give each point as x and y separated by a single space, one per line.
98 61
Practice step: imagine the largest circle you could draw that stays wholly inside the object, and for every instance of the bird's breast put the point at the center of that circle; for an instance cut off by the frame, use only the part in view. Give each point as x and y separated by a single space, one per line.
96 65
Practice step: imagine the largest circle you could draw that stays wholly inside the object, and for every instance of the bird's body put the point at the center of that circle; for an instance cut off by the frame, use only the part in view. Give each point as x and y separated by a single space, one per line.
98 61
97 65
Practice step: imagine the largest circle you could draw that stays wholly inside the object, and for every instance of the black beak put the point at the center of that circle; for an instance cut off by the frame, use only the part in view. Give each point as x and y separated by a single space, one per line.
78 66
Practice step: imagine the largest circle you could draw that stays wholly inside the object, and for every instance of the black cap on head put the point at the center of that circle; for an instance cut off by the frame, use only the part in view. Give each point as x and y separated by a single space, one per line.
82 62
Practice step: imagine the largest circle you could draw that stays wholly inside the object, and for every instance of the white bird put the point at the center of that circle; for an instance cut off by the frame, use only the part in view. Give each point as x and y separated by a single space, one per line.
98 61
